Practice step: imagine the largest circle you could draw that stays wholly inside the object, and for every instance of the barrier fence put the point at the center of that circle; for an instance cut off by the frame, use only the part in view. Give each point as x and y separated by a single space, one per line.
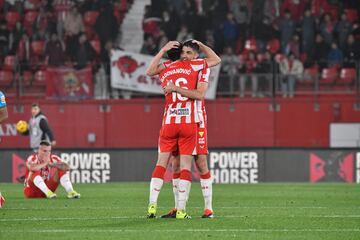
227 165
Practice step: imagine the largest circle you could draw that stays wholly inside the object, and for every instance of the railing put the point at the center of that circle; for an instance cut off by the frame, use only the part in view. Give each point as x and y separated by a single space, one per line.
19 81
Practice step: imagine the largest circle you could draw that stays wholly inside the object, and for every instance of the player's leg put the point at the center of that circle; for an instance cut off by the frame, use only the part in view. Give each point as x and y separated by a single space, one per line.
187 148
184 185
175 160
36 187
167 145
57 177
2 200
206 184
156 183
205 176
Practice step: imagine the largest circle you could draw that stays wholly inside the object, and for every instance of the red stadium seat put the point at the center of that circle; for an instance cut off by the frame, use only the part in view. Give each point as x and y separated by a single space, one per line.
6 78
90 17
329 75
347 75
38 47
312 72
273 46
351 15
96 45
9 62
251 45
12 18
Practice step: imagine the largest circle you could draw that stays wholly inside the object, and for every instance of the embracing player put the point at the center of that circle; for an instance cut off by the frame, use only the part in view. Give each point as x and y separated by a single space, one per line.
179 128
202 144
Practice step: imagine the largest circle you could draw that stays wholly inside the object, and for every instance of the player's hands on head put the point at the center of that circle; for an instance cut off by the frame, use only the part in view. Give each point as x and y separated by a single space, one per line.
198 43
170 45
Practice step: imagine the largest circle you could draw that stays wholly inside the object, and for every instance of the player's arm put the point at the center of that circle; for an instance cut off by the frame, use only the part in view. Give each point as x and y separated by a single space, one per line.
34 167
60 165
3 114
155 66
198 93
212 59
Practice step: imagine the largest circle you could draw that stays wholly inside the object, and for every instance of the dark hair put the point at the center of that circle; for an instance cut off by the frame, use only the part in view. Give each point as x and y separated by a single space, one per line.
35 105
191 44
44 143
174 53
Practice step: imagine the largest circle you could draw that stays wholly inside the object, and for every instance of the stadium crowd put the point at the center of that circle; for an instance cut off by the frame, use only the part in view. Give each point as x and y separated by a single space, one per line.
252 36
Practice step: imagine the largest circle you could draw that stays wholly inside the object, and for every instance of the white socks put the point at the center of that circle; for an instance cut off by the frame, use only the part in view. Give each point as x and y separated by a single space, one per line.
39 182
155 187
175 184
65 182
206 187
183 187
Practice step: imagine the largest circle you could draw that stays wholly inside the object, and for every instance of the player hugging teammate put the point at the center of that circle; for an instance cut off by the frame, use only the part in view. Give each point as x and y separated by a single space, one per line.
183 132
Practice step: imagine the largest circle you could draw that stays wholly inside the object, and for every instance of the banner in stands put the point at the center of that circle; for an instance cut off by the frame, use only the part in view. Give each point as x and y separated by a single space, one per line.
226 165
68 83
128 71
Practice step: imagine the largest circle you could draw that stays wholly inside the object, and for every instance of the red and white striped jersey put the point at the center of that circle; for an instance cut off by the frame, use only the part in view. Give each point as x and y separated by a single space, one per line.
44 171
184 74
202 78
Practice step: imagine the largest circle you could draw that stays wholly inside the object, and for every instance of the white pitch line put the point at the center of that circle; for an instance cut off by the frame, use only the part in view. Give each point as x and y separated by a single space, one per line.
177 230
235 207
143 217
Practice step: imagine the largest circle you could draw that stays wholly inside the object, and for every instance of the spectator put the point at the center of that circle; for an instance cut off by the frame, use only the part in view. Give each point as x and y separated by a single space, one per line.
106 25
295 7
291 69
4 40
352 51
15 37
335 56
321 50
247 70
343 29
170 24
287 29
230 30
149 47
264 32
73 26
55 51
308 32
327 29
229 67
263 71
84 53
24 52
272 9
293 46
41 21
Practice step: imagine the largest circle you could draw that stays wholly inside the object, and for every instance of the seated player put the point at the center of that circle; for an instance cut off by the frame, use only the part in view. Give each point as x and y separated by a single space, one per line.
44 173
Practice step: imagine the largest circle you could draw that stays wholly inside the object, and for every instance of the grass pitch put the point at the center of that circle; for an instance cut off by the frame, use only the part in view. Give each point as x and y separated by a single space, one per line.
117 211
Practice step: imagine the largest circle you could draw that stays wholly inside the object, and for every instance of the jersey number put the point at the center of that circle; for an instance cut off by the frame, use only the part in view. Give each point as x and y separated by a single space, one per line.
176 95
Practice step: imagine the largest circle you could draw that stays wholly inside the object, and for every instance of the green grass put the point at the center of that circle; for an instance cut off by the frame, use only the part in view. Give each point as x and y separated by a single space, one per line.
117 210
